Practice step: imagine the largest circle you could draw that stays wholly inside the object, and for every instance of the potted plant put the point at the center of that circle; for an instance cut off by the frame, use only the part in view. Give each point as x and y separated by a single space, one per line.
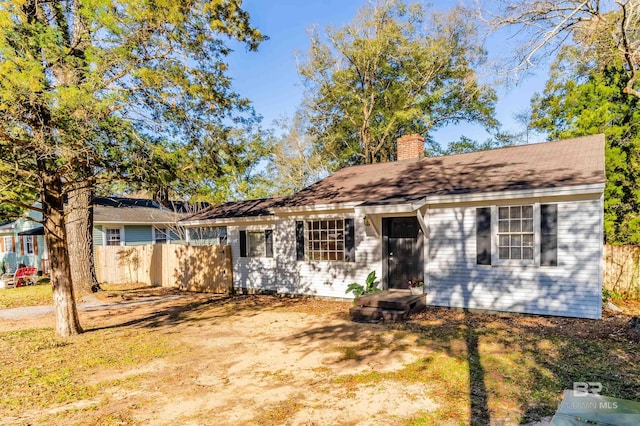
416 286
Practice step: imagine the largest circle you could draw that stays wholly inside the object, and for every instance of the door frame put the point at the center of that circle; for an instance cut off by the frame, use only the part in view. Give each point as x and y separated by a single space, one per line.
420 242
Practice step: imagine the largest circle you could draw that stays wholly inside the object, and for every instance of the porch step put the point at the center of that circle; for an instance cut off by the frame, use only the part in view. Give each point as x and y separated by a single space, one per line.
387 305
389 300
367 313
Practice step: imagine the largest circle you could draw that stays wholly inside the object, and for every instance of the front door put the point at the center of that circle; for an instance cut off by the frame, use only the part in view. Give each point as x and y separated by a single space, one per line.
403 255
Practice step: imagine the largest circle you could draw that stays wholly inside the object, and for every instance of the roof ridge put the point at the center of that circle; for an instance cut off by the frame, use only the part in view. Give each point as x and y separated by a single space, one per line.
399 162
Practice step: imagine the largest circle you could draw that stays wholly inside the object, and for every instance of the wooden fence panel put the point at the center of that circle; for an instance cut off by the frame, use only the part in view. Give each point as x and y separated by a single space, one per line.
622 270
196 268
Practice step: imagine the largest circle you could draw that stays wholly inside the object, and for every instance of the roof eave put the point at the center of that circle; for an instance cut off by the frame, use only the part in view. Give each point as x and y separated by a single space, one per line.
572 190
226 220
315 207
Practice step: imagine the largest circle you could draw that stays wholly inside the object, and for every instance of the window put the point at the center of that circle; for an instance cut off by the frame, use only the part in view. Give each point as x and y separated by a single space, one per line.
7 244
515 233
160 235
325 239
113 237
526 234
332 240
256 243
208 235
28 244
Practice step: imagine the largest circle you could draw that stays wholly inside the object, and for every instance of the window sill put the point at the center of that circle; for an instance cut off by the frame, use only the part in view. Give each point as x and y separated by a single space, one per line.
508 263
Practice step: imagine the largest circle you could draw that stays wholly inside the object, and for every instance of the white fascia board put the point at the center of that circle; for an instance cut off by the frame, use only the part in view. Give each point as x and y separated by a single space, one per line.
314 208
111 223
227 221
597 188
393 208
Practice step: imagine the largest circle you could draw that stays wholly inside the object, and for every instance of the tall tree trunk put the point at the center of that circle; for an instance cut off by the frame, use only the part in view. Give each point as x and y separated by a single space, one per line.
79 223
67 322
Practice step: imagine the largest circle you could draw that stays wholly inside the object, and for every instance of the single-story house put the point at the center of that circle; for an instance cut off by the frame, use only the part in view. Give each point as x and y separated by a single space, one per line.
117 221
516 229
124 221
22 243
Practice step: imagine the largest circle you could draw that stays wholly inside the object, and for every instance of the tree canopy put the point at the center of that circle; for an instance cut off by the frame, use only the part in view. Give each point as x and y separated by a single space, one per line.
396 69
607 30
584 100
85 85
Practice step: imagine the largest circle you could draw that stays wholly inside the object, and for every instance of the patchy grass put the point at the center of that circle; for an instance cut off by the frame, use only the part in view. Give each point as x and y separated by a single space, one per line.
477 368
39 370
35 295
485 368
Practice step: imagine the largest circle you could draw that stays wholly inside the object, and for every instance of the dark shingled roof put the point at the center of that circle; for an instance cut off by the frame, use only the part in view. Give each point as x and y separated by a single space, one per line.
568 162
130 210
248 208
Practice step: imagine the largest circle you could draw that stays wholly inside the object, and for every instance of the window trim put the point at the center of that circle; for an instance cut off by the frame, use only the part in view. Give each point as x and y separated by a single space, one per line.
195 235
104 235
167 234
28 241
309 241
8 248
495 243
245 246
258 252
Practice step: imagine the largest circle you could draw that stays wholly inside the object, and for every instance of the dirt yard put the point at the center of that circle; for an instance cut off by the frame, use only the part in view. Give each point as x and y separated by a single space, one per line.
203 359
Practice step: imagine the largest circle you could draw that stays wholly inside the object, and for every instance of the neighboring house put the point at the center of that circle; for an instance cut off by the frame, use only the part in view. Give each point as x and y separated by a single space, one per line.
119 221
513 229
22 243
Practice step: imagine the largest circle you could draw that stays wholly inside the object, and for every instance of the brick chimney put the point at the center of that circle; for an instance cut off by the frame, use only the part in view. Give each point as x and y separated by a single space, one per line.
410 147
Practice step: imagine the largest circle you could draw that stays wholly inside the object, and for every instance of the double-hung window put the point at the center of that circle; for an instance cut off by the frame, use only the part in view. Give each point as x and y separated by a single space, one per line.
517 234
113 236
160 235
8 244
28 244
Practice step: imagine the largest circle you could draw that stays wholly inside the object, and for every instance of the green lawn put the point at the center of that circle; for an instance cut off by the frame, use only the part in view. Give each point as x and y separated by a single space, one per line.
26 296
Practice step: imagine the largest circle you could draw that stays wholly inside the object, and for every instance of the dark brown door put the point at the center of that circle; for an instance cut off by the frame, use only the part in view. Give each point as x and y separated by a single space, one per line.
402 244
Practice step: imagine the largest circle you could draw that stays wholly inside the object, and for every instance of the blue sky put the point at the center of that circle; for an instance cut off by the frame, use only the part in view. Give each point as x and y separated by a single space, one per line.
269 77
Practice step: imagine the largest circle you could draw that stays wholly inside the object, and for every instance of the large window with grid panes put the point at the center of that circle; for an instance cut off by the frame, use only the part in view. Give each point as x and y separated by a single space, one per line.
325 239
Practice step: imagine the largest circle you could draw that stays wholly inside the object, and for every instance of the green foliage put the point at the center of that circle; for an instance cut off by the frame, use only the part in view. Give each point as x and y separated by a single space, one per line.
465 144
126 90
370 286
584 100
396 69
610 295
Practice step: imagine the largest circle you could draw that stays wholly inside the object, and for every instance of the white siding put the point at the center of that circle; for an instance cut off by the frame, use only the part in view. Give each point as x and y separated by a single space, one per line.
252 272
326 278
573 288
